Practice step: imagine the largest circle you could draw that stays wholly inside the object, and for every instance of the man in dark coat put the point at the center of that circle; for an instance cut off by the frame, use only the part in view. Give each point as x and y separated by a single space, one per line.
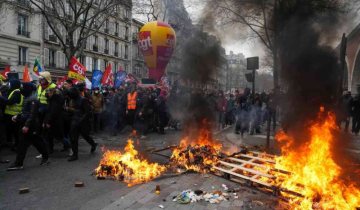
29 128
53 123
113 102
80 123
141 116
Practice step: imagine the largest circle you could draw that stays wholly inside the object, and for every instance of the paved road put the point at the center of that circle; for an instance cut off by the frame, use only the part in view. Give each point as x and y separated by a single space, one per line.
52 186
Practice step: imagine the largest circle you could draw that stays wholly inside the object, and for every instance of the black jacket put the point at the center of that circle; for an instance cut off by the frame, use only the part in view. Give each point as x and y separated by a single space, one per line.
123 104
82 113
142 103
30 108
114 104
54 116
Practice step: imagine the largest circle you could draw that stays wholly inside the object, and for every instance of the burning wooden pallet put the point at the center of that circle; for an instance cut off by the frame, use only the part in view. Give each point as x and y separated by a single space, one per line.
251 167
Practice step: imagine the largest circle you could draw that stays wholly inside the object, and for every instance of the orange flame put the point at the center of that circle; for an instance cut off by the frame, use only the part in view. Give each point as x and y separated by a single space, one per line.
128 167
198 155
315 174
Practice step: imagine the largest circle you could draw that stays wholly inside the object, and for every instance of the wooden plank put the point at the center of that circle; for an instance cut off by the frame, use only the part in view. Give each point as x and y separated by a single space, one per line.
245 162
242 176
255 177
257 158
248 170
259 153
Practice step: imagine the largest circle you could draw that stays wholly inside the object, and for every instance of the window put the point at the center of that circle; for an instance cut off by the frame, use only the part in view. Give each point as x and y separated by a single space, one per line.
107 26
52 58
116 49
23 55
22 26
126 32
127 13
107 46
126 51
82 59
116 29
89 64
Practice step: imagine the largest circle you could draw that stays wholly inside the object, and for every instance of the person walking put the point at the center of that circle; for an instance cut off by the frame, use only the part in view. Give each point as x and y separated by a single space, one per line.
230 110
221 107
80 124
113 101
53 124
161 111
97 103
29 128
13 103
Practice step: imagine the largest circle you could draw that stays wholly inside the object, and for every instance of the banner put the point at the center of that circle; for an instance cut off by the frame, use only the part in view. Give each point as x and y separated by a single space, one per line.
76 70
96 79
26 75
130 79
4 74
108 77
120 77
37 68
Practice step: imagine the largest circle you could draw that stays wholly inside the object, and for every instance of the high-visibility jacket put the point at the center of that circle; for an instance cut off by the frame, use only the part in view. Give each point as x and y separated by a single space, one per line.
15 108
131 101
40 93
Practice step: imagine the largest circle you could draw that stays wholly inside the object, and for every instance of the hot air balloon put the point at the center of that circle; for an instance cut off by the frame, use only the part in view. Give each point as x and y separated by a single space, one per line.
157 41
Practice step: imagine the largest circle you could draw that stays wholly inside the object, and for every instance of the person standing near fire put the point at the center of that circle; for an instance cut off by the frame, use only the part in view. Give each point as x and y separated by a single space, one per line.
355 106
131 105
80 123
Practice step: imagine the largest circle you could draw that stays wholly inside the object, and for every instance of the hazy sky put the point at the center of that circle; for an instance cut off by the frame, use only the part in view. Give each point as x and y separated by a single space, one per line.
254 48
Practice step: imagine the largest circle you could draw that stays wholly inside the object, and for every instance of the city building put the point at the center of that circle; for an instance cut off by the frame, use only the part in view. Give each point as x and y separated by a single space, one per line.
236 72
139 68
20 36
25 36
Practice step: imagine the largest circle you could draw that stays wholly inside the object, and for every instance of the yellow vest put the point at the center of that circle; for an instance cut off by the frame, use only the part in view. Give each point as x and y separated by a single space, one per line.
15 108
40 94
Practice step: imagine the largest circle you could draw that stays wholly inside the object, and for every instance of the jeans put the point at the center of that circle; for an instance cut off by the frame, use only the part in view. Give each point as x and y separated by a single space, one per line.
31 137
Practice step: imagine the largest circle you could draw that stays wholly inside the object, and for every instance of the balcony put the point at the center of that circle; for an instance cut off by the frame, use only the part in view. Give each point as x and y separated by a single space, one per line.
51 65
24 63
52 38
95 48
106 51
23 33
107 30
116 54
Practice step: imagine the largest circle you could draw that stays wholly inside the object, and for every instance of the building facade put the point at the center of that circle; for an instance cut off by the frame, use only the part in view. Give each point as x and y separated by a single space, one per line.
20 36
25 36
139 68
236 72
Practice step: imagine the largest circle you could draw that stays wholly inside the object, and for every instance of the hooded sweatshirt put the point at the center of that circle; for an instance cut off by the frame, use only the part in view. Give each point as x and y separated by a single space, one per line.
30 106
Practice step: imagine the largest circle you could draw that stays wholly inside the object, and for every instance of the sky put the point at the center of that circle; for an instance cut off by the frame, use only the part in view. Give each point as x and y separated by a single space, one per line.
254 47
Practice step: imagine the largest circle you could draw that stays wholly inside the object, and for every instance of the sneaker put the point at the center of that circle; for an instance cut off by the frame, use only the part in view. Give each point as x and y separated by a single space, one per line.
72 158
39 156
93 148
44 161
14 167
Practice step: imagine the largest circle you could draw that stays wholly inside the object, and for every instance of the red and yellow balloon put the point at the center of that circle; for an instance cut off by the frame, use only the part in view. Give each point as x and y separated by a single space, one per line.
157 41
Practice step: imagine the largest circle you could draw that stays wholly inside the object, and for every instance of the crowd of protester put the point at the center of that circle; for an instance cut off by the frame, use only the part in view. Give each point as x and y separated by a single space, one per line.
42 113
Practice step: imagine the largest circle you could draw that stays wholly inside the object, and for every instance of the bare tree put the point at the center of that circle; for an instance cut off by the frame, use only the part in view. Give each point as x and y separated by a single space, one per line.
146 8
76 18
264 18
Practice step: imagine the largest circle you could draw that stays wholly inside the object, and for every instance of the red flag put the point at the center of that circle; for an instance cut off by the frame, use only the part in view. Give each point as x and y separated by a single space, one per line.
77 70
130 79
4 74
108 77
63 80
26 75
121 68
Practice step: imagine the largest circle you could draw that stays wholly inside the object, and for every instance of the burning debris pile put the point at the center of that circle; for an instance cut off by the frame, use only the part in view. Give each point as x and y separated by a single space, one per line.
128 166
315 174
199 155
